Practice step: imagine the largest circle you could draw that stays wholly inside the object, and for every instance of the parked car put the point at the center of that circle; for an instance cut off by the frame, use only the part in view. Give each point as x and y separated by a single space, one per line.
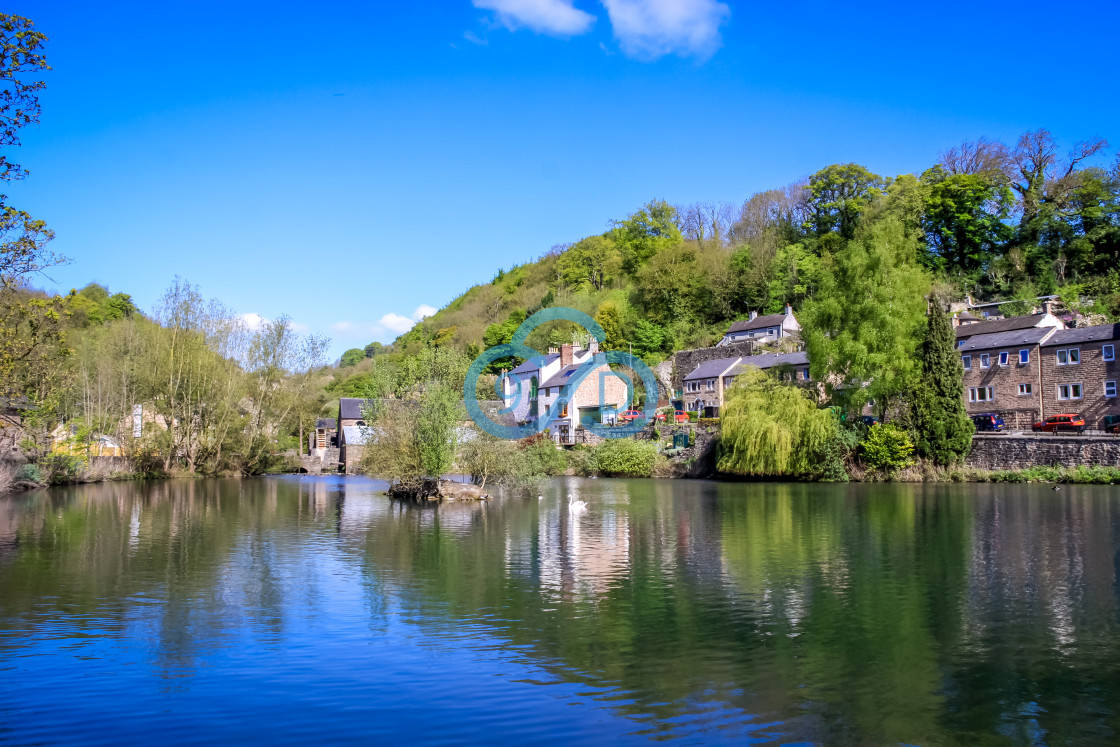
680 416
1070 422
628 415
988 421
1111 424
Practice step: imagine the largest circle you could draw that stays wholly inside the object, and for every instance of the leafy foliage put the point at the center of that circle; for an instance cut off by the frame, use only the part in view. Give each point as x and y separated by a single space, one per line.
941 426
624 457
770 428
886 448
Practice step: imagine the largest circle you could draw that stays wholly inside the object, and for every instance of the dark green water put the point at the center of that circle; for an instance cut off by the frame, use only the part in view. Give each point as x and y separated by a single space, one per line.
308 610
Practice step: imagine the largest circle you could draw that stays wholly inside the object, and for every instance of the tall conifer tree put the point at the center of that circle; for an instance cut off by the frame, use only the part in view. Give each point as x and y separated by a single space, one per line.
942 428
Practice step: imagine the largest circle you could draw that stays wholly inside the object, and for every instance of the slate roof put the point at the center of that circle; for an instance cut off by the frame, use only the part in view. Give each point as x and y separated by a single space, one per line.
1079 335
328 423
711 369
1011 339
999 325
769 360
561 377
350 408
759 322
356 435
533 365
966 316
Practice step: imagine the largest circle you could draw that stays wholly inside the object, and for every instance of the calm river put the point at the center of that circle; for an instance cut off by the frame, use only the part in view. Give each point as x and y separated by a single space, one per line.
295 610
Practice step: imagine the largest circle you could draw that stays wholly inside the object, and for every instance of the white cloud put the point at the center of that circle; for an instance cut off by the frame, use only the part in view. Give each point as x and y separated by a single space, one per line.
649 29
553 17
422 311
389 325
396 323
253 321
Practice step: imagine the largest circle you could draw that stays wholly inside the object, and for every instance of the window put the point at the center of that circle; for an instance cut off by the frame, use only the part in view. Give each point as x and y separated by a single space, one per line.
1024 357
980 394
960 343
1024 389
805 374
711 385
1069 357
1110 389
1003 358
1069 391
966 361
1108 353
985 360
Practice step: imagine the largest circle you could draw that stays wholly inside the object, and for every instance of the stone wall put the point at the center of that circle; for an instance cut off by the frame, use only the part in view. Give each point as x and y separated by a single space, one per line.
1043 450
686 361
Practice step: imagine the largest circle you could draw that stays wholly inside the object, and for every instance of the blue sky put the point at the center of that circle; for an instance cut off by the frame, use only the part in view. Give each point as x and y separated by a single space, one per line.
350 164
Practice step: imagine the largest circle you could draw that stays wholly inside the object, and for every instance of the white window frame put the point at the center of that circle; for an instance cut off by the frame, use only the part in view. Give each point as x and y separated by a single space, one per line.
1004 358
985 360
973 393
966 361
1069 391
1074 356
1024 356
1061 357
1110 384
1108 352
1024 389
711 385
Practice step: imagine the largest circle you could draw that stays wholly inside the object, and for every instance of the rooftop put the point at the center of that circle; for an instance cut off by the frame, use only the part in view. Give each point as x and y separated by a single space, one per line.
351 408
1028 336
1000 325
759 322
535 363
1085 334
711 369
769 360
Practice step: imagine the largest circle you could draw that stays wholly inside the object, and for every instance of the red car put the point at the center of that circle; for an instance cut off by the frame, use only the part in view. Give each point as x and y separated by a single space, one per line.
1070 421
626 417
680 416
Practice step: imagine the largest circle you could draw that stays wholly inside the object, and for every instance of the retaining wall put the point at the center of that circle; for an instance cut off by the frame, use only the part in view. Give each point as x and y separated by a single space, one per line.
1042 450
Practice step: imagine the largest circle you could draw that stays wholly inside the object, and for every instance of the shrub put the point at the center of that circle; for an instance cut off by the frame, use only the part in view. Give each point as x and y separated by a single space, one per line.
709 422
624 457
30 473
693 416
543 457
887 448
61 468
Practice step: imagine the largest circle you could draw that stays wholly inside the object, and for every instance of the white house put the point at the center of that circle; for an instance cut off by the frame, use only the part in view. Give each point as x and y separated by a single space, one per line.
763 328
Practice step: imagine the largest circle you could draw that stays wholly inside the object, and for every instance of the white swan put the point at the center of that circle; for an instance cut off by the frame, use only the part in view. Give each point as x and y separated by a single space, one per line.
576 506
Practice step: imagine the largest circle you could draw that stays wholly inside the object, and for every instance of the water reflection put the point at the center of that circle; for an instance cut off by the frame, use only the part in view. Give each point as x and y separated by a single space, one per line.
841 614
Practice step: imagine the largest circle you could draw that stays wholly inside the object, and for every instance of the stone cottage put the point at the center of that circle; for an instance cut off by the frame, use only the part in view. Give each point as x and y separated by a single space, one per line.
763 329
704 387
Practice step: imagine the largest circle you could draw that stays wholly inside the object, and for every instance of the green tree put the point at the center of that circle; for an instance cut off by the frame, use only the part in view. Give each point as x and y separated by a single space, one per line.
770 428
23 239
669 284
794 277
838 196
610 319
645 233
375 349
941 426
964 219
591 263
352 357
864 324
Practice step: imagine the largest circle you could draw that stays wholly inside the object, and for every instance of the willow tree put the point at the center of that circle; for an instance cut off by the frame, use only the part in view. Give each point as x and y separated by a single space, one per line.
771 428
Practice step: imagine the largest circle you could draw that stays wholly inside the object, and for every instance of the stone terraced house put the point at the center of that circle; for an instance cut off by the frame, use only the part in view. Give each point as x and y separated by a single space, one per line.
1081 374
1003 374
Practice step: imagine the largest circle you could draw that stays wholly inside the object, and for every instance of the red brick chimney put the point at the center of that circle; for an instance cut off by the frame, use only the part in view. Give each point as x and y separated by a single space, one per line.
566 354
